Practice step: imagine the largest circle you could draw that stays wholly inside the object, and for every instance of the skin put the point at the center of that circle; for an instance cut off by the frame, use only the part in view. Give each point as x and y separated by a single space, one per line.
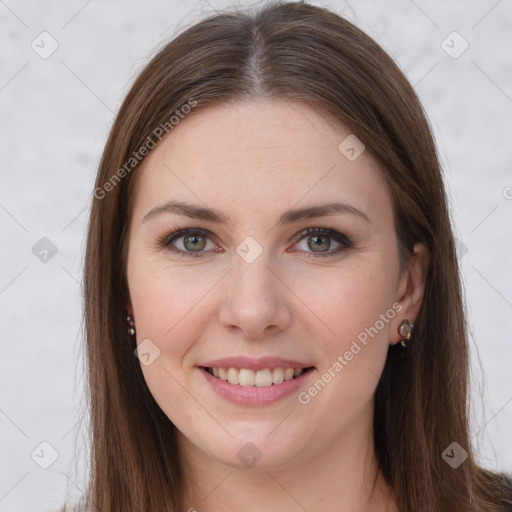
253 161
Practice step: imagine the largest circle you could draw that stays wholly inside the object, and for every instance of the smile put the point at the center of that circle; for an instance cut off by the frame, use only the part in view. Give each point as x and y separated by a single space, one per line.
255 382
259 378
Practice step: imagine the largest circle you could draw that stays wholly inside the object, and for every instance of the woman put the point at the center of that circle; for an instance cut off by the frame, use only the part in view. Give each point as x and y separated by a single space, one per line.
272 300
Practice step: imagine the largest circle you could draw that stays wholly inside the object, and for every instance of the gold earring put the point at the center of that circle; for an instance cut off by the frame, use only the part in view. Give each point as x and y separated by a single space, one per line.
131 329
405 330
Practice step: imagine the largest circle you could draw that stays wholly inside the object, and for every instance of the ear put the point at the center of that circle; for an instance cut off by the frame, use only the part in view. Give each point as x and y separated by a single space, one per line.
411 288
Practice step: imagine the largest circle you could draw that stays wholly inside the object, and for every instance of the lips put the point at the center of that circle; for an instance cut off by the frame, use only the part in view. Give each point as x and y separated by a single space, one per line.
255 381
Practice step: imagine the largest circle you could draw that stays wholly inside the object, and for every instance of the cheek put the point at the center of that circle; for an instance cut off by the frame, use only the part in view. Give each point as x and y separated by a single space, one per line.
356 315
169 307
355 306
169 304
348 301
336 305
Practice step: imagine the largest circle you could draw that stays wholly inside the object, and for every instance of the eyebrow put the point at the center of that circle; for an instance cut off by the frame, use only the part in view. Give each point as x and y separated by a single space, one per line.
287 217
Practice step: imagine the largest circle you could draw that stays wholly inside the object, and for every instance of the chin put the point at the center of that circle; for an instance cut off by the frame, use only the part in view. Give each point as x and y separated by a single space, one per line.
256 449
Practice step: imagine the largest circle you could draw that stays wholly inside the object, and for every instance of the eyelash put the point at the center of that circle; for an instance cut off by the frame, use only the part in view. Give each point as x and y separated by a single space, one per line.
166 240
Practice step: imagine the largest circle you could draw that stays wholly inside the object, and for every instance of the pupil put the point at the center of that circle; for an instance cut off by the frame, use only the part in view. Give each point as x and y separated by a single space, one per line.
195 243
317 244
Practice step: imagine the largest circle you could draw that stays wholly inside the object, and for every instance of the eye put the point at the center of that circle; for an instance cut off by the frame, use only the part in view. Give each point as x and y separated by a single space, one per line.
319 241
195 242
188 242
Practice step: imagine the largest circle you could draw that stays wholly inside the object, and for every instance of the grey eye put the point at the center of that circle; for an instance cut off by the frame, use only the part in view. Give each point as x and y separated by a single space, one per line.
194 242
319 243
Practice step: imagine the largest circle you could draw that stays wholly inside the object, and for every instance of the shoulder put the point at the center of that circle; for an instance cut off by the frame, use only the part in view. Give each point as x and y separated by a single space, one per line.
504 484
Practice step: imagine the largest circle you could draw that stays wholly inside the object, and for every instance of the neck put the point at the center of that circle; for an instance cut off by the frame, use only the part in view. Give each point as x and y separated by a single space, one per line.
344 477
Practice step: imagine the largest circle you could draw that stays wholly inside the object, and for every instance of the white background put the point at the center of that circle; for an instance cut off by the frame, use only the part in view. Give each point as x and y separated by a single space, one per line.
55 116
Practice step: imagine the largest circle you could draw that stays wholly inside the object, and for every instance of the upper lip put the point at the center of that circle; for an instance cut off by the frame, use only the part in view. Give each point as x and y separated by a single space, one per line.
254 364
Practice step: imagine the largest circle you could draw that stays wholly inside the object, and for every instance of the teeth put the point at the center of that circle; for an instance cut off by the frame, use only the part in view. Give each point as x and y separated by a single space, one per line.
246 377
278 376
288 374
263 378
260 378
232 375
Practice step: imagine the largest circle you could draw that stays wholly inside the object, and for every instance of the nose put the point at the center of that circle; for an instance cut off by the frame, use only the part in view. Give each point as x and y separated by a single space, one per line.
256 301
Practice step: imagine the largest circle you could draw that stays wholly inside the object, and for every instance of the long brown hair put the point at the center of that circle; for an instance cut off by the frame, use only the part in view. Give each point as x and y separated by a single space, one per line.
288 51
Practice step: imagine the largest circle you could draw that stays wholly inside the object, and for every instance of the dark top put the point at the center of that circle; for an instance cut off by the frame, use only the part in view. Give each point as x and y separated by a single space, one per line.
507 498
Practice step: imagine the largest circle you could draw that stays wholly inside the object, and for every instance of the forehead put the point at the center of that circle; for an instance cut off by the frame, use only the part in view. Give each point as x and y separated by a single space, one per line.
258 156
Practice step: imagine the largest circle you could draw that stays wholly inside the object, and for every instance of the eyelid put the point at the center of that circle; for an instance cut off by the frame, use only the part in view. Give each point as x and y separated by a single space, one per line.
179 232
333 233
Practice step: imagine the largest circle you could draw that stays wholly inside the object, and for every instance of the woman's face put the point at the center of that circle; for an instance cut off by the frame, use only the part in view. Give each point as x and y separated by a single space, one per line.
251 295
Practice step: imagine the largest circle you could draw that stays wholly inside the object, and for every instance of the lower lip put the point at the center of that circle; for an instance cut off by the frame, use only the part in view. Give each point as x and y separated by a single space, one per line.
255 395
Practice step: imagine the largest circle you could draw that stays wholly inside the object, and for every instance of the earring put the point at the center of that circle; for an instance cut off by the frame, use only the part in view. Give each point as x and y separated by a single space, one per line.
405 330
131 329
